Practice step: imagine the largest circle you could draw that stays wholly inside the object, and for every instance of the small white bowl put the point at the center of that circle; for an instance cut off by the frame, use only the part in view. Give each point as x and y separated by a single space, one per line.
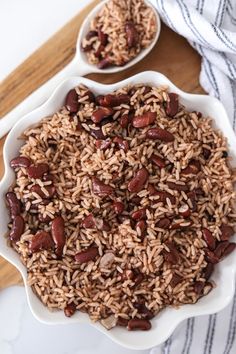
164 324
81 60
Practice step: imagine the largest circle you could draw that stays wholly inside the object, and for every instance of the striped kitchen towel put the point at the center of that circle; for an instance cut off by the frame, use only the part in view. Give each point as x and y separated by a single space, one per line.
210 27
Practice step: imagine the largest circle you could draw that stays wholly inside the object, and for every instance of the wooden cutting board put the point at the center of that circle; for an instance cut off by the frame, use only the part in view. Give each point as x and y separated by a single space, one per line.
171 56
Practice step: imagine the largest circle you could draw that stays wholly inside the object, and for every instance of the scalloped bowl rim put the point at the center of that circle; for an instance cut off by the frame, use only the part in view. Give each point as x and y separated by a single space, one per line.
168 319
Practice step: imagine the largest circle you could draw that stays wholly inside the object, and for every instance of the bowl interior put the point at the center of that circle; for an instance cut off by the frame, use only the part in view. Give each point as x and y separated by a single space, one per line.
163 324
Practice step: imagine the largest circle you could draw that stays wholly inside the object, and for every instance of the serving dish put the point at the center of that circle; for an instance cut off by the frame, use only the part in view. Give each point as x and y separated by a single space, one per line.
167 320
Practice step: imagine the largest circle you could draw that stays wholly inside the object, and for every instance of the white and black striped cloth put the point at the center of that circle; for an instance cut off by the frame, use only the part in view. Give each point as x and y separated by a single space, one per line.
210 27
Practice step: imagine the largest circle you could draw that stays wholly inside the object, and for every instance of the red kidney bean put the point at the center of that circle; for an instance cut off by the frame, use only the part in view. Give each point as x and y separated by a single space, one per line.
20 161
99 100
18 227
144 120
207 272
37 171
178 187
114 100
139 324
124 120
101 113
172 106
118 207
50 189
164 223
221 248
206 153
135 200
72 103
102 225
164 195
99 51
138 277
226 232
91 97
79 127
198 287
160 134
189 170
152 190
142 226
211 257
104 63
89 222
178 224
58 235
175 280
230 248
123 322
138 181
102 37
192 196
70 309
97 133
139 214
209 238
121 143
41 241
193 167
87 255
48 177
14 204
91 34
184 211
44 219
131 34
103 144
173 255
158 161
143 310
100 188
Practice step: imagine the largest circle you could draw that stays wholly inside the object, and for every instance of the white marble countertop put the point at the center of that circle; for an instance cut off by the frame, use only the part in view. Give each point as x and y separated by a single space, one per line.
21 333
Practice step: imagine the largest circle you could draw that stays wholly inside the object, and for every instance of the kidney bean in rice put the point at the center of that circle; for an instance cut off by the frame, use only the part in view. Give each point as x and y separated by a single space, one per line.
119 32
122 217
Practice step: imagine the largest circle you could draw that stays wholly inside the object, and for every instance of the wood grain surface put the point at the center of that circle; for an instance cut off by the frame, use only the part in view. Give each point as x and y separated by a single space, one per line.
171 56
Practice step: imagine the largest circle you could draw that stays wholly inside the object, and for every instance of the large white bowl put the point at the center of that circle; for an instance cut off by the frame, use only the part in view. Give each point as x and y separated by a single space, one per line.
165 323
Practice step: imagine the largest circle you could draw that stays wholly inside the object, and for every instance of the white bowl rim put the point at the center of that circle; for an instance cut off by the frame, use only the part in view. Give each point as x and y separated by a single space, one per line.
147 77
